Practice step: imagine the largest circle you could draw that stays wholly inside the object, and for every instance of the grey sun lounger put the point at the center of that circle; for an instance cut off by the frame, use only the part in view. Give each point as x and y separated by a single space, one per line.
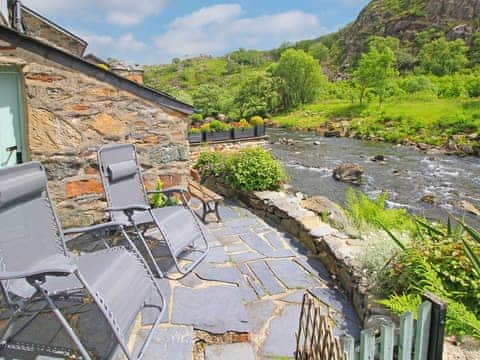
128 202
37 274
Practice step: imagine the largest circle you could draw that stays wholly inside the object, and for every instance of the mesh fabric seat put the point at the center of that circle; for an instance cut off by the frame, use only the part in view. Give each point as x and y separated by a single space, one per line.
37 268
128 201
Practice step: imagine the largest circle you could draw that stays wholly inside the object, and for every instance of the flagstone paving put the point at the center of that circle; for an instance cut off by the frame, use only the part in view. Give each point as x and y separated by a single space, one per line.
252 281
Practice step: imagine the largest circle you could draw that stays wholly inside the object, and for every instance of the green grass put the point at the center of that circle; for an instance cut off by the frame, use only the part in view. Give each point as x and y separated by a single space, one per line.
431 121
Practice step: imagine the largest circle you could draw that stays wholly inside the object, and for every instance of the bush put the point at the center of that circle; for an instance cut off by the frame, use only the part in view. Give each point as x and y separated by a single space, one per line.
194 130
246 170
242 124
256 120
217 126
254 170
196 118
473 86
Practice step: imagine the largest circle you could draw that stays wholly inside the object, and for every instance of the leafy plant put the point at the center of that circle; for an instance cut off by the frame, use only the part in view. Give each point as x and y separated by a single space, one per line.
161 200
256 120
210 163
254 170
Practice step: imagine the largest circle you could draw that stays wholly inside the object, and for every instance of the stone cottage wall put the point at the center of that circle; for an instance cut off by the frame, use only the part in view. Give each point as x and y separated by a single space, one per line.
69 115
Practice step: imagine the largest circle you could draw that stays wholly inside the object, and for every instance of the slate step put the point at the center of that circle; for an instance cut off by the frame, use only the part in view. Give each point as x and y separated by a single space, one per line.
169 342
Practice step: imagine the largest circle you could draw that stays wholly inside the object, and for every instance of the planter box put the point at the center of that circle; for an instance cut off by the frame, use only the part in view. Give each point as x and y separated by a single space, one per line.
218 136
195 138
259 130
244 133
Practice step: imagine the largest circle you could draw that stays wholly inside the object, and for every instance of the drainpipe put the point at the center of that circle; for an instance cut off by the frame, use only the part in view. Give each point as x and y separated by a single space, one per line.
17 11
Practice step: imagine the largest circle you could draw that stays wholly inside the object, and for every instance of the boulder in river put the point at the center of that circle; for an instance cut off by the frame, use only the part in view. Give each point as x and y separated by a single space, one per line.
429 199
381 158
469 207
351 173
332 133
326 208
316 143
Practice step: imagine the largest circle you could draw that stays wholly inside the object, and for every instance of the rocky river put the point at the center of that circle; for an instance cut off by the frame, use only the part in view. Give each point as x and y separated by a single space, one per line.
429 185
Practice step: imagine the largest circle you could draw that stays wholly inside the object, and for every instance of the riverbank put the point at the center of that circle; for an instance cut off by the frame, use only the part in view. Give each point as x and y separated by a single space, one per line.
435 126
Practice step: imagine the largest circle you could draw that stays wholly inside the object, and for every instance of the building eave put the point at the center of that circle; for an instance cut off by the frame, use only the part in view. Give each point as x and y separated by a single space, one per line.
78 64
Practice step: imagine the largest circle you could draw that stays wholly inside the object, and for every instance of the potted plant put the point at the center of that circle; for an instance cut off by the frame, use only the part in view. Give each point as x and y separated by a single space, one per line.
259 124
243 129
217 131
195 135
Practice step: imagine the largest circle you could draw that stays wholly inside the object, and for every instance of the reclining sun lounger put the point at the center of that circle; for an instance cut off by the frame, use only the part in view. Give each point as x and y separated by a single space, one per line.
127 199
37 274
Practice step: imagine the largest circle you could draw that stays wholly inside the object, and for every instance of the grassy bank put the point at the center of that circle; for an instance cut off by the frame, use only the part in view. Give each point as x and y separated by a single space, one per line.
398 120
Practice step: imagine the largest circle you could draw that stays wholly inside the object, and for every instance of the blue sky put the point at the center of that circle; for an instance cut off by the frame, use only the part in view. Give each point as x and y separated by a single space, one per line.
155 31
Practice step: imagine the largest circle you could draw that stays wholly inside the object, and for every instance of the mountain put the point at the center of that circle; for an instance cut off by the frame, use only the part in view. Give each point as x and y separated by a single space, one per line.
405 20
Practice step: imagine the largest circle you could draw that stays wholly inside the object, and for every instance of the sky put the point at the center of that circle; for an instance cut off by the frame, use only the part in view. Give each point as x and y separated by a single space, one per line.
156 31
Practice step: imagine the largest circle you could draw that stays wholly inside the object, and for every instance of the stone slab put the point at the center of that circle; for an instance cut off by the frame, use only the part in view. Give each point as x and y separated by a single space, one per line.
216 255
274 239
322 231
291 274
190 280
281 253
239 351
246 256
259 312
168 342
257 243
337 301
236 248
266 277
295 297
280 340
315 267
247 292
213 272
216 309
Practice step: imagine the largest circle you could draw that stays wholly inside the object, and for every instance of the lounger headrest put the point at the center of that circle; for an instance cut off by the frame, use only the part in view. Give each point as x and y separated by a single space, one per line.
21 187
122 170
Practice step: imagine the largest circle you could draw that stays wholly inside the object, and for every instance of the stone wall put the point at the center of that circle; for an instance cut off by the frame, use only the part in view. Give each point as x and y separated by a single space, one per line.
69 115
38 28
227 146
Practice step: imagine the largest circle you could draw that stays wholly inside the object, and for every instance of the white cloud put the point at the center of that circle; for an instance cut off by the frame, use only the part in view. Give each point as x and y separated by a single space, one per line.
107 46
217 28
119 12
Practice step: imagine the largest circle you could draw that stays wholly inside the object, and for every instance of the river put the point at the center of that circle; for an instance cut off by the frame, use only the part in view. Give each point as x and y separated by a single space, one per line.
407 174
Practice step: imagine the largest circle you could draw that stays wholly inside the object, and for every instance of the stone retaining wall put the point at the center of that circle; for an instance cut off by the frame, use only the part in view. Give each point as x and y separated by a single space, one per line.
336 250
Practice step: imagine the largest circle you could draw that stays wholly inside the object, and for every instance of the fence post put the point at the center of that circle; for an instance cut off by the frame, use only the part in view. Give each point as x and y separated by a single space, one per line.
437 327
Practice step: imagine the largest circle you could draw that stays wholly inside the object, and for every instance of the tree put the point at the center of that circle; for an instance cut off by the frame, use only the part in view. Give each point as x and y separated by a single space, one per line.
441 57
299 78
256 96
376 70
319 51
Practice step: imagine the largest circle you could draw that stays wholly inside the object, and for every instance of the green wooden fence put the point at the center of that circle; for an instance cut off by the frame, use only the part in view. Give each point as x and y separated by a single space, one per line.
412 340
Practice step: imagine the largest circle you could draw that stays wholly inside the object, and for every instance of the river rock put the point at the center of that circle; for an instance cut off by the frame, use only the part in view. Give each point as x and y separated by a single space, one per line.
351 173
332 133
379 158
429 199
322 205
469 207
316 143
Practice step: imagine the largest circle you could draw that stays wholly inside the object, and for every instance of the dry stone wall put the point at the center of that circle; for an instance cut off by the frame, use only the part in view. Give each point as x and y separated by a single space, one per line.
69 115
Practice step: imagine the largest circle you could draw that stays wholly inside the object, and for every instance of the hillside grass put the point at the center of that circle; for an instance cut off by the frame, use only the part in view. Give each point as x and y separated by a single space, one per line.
432 121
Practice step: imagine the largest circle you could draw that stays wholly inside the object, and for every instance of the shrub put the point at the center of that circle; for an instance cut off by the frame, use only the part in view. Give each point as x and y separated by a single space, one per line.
473 86
256 120
194 130
254 170
160 200
246 170
210 163
217 125
196 118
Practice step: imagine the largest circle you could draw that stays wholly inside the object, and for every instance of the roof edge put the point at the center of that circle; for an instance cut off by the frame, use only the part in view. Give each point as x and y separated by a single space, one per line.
74 62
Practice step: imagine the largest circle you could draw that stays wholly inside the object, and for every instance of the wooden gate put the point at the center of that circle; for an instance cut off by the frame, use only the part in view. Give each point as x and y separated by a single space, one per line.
420 340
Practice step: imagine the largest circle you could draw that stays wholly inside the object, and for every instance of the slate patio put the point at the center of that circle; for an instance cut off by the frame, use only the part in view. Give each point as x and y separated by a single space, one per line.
243 301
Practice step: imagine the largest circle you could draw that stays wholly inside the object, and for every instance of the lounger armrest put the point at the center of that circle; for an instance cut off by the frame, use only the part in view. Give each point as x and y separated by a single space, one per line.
169 191
129 208
44 270
94 228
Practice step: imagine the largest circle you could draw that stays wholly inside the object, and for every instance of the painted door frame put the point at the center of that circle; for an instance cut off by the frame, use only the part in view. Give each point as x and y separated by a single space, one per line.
17 71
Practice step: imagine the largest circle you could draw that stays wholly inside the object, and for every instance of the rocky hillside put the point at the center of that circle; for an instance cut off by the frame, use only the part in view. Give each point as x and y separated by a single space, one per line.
405 19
